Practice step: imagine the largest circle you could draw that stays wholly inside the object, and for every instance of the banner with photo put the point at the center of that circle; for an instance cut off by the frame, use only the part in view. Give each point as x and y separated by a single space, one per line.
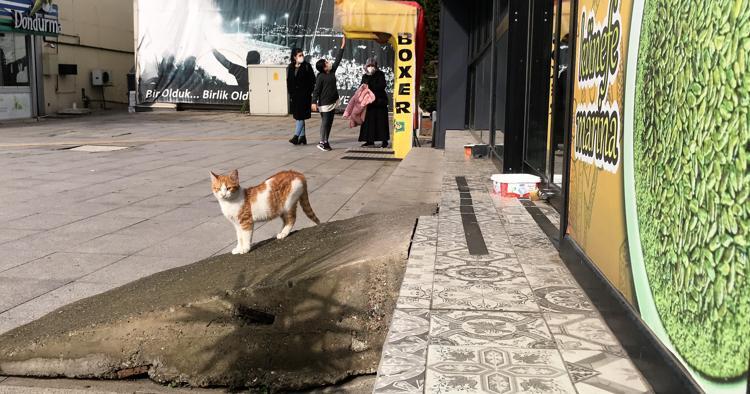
659 172
200 56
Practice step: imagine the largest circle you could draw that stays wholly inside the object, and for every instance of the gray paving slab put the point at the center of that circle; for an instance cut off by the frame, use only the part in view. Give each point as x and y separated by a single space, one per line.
113 244
62 266
43 304
11 258
104 223
112 217
15 291
13 234
135 267
41 221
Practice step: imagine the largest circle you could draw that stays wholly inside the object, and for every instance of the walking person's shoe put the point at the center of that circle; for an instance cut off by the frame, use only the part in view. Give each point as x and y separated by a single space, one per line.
294 140
327 147
302 140
322 146
384 144
367 144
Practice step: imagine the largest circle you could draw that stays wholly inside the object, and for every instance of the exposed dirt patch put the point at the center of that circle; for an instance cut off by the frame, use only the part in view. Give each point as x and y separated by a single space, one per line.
307 311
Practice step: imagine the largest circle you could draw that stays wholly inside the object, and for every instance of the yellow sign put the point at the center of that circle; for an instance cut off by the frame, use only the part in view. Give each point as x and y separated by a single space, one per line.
403 94
597 220
369 19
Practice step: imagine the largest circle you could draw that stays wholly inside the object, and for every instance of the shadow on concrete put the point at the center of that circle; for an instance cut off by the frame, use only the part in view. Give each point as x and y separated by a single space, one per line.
308 311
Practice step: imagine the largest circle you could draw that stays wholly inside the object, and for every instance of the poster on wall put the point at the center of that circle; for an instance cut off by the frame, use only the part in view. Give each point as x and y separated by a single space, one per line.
201 56
687 180
659 178
596 220
15 106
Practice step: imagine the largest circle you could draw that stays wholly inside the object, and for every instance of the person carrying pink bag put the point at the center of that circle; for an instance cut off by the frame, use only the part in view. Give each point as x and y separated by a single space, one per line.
357 107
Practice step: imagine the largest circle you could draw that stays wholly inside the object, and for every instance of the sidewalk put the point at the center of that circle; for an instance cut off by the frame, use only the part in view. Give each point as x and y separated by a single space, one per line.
487 305
75 224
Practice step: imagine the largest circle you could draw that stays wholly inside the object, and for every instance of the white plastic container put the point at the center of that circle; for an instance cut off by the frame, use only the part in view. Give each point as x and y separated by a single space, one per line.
515 185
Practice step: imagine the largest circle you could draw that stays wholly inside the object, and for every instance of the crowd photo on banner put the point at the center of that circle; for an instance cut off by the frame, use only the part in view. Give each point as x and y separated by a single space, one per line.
203 56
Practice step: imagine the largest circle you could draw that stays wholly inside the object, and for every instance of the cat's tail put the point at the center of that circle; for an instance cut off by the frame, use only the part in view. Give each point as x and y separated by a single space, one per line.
304 201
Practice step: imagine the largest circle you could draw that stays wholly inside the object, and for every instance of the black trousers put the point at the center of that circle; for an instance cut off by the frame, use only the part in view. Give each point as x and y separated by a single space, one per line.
326 122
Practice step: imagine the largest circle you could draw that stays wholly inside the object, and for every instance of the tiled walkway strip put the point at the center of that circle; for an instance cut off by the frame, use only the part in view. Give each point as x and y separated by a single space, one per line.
513 320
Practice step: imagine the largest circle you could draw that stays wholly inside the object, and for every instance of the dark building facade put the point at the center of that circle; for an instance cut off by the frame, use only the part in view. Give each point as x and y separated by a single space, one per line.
503 75
611 103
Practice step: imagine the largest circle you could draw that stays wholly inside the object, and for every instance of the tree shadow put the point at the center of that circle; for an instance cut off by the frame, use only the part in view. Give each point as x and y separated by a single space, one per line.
290 335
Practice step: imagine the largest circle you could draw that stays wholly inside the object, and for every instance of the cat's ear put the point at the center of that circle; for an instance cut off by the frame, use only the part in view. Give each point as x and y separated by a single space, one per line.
235 176
214 177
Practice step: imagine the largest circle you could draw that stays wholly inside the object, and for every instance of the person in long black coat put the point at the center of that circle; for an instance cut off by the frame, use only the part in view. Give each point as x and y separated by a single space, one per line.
300 82
375 126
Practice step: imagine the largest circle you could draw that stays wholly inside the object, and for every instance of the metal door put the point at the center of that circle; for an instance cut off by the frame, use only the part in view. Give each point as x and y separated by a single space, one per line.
258 90
277 95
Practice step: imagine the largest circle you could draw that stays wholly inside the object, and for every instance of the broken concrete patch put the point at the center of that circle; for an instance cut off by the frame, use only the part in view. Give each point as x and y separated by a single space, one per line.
307 311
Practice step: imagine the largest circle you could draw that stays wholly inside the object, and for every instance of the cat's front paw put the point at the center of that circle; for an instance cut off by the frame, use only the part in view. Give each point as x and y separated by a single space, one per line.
237 250
281 236
244 250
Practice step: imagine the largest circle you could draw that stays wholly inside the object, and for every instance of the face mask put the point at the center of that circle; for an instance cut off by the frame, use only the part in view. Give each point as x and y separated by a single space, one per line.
370 70
300 59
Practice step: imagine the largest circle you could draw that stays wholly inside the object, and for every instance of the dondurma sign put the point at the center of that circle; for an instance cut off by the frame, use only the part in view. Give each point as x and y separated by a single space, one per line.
30 16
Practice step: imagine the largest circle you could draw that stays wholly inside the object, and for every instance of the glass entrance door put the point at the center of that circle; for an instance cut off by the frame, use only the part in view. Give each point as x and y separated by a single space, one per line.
559 105
548 106
540 86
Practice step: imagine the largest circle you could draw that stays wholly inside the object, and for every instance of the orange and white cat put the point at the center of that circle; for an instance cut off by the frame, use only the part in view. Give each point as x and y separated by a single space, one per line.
276 197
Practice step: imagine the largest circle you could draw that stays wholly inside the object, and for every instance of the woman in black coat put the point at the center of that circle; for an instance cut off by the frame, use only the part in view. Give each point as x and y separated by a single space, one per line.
300 82
375 127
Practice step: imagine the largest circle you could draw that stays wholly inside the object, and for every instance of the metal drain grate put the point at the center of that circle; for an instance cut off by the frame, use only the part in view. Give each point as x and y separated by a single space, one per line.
97 148
382 154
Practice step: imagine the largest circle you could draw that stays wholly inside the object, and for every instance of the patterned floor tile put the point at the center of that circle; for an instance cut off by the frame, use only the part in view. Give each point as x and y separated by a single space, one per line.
402 366
566 299
530 241
486 272
461 328
516 219
602 372
500 201
514 210
447 245
480 211
497 322
421 256
511 263
461 254
495 236
448 294
419 272
453 369
544 275
447 219
582 331
426 232
547 256
414 295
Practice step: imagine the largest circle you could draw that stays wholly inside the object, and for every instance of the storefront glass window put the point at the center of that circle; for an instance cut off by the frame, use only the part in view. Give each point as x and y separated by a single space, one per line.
14 60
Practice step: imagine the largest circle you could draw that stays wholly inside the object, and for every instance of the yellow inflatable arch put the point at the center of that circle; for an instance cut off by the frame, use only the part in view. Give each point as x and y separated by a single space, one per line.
400 24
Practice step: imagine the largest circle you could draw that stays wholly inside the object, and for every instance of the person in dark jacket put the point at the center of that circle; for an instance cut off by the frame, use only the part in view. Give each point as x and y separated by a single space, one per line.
326 95
300 82
375 126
